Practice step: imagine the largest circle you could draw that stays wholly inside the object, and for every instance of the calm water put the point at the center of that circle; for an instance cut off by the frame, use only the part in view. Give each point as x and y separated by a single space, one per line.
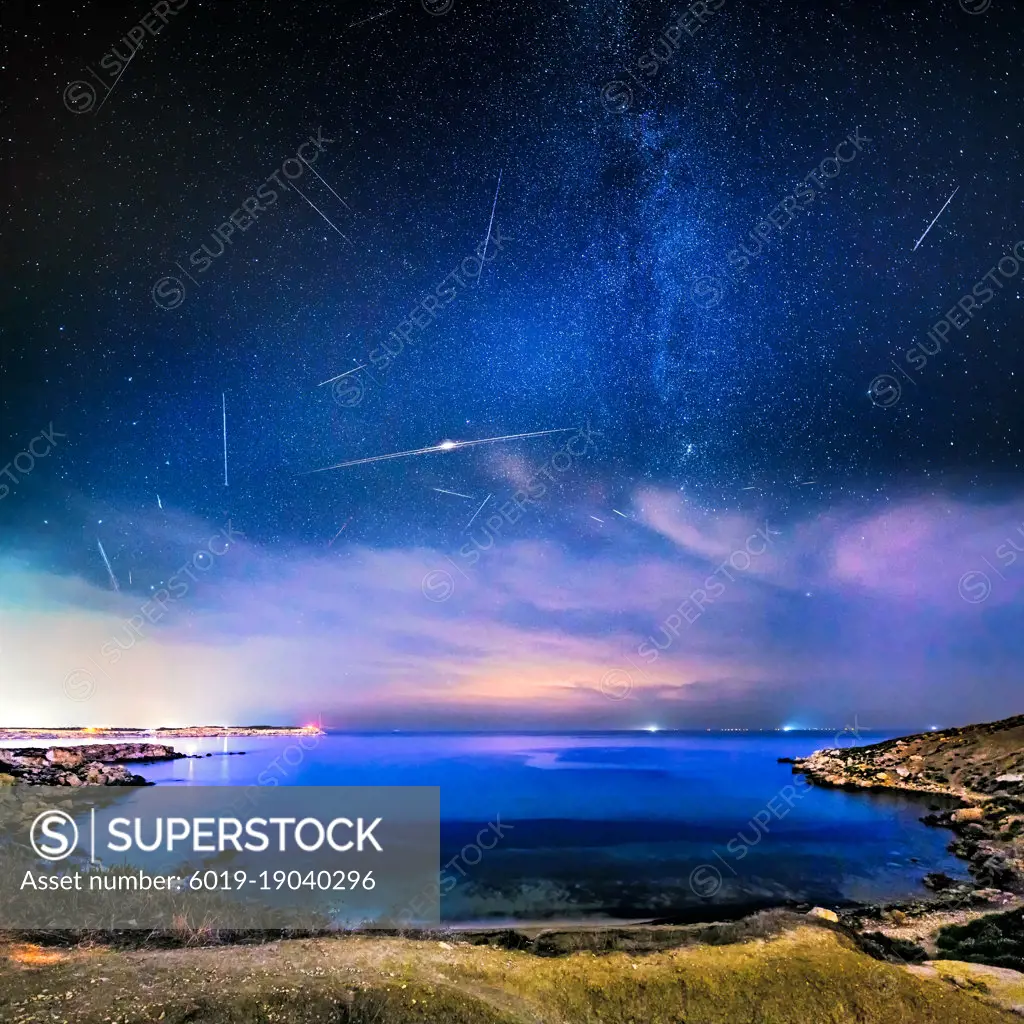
622 824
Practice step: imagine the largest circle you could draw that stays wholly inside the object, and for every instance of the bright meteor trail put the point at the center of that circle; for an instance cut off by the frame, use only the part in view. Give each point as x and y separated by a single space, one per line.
444 446
113 578
937 216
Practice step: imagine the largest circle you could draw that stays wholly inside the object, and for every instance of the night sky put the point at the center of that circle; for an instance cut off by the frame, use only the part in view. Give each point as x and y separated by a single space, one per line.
700 269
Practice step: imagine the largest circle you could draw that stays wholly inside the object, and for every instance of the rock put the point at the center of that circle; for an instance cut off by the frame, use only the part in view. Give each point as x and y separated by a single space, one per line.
902 772
823 914
1010 778
97 764
968 814
992 895
65 757
937 881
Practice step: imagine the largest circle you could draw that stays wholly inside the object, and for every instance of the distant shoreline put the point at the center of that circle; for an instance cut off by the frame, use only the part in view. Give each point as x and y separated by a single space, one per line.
185 732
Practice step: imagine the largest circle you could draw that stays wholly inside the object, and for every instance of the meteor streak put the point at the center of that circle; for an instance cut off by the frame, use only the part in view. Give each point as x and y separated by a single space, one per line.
321 212
224 418
937 216
113 578
478 511
490 224
444 446
340 375
339 533
324 180
441 490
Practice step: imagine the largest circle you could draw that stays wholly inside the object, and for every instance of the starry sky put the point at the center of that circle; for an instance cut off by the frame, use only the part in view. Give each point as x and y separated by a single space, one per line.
699 245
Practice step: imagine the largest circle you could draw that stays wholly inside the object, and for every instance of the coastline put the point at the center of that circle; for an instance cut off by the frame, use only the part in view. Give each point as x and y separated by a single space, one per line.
978 773
183 732
878 768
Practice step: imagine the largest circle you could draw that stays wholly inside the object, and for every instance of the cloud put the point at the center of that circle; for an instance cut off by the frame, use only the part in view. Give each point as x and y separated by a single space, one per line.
853 611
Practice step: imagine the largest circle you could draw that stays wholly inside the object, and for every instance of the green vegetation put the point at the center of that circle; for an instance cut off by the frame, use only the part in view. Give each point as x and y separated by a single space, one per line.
996 939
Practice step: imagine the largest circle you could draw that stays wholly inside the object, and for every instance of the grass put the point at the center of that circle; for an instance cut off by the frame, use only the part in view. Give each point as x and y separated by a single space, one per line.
808 973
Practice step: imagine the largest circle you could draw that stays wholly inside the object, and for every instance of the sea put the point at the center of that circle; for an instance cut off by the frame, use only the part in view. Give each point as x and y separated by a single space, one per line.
663 826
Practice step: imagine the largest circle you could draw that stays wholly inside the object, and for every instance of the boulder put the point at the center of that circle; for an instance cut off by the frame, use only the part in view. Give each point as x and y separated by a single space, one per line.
968 814
824 914
66 757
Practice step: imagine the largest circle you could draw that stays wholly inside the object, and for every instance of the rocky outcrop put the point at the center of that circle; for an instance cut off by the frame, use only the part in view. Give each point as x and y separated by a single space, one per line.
185 732
977 769
100 764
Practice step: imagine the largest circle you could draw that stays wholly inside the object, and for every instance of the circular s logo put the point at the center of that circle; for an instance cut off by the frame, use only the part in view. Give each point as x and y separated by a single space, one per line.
616 684
885 390
705 881
54 835
438 585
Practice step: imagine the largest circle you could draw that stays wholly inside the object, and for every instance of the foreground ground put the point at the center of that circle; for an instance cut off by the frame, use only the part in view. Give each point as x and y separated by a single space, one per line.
798 971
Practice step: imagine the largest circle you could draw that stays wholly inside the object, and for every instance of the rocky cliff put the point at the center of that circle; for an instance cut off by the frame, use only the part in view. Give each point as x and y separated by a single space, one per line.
979 767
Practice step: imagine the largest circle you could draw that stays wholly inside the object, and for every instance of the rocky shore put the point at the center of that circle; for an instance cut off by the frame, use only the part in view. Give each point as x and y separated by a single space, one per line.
185 732
100 764
978 770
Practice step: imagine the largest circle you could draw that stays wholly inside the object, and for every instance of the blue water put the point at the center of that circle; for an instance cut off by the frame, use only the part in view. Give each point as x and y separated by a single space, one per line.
624 824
